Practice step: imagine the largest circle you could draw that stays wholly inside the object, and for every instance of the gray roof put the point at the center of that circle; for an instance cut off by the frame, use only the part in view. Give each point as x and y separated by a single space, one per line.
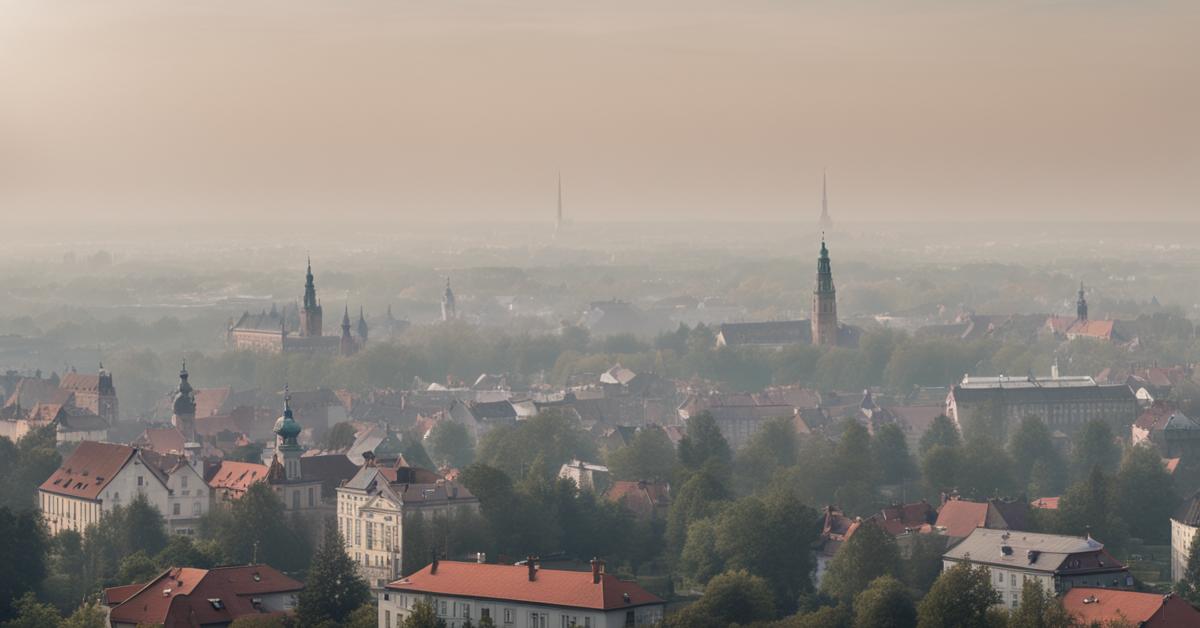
1031 551
263 321
1044 394
1189 511
767 333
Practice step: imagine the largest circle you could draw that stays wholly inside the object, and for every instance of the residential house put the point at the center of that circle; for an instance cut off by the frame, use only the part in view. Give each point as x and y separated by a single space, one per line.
1184 524
958 518
1167 430
1104 607
97 477
648 501
481 416
1057 563
587 476
521 595
183 596
372 508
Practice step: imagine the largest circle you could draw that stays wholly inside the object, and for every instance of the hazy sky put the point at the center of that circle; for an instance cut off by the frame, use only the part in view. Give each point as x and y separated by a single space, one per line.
221 109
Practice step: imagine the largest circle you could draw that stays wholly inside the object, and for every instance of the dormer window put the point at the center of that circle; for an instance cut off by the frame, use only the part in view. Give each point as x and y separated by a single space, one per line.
216 602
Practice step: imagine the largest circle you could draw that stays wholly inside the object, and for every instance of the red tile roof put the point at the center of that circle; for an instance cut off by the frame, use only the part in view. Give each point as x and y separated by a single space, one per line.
550 587
238 476
88 469
181 596
162 439
1138 609
1156 416
1047 503
960 517
209 401
640 498
80 381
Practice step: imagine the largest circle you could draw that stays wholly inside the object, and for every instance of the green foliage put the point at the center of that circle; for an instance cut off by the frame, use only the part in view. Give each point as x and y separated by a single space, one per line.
962 597
365 616
703 444
25 464
649 456
699 561
333 590
868 554
1090 507
257 526
423 615
986 471
23 544
450 444
939 469
261 621
88 615
1040 609
885 604
137 567
823 617
1145 495
942 431
1037 465
700 497
340 436
1094 447
28 612
734 596
924 563
891 457
550 436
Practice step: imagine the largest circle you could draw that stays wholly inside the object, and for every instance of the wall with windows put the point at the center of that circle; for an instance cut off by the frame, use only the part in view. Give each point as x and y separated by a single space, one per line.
394 606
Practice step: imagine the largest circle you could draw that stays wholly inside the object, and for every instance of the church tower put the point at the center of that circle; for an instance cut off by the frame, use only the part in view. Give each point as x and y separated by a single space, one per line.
362 327
287 447
449 312
1081 305
826 220
183 415
824 304
106 397
347 345
310 310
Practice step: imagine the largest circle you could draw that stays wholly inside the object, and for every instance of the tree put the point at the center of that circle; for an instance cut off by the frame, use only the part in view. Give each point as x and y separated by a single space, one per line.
885 604
869 553
1094 447
451 444
89 615
939 468
340 436
23 544
700 497
1145 495
1089 507
1034 454
550 436
333 590
26 463
960 598
734 596
365 616
989 471
890 451
699 561
1040 609
649 456
29 613
1188 586
703 443
943 432
924 563
137 567
423 615
143 527
256 528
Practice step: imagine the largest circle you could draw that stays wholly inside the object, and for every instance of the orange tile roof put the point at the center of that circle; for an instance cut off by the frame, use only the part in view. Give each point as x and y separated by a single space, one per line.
180 595
550 587
80 381
238 476
960 517
640 498
1139 609
1047 503
88 469
162 439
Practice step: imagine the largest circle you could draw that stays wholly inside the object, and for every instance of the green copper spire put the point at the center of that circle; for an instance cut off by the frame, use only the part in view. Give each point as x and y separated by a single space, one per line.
286 426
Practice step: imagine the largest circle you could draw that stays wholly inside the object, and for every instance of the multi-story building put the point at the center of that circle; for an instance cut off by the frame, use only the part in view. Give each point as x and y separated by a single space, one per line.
372 508
94 393
520 595
183 596
1064 403
1058 563
1184 525
98 477
269 332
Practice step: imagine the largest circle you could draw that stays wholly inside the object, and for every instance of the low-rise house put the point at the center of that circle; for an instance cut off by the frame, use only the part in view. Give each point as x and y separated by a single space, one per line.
738 417
372 508
836 529
587 476
183 596
521 595
957 518
646 500
1103 607
97 477
1168 430
1056 562
481 416
1184 524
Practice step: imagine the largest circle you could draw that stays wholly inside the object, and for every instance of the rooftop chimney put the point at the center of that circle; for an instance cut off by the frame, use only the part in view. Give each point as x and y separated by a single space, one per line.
597 570
531 563
480 557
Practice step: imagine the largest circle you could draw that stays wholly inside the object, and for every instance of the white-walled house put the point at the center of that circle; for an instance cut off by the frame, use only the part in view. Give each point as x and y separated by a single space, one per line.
1184 525
521 596
97 477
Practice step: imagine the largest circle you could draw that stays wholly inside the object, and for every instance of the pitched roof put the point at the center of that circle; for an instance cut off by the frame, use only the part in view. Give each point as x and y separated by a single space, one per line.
238 476
1189 511
899 518
88 469
210 401
551 587
1052 553
640 498
80 381
184 596
767 333
1047 503
1092 605
960 517
162 439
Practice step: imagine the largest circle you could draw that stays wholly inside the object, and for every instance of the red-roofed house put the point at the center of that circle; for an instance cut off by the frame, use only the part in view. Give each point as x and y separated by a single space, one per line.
1094 606
521 595
97 477
957 518
646 500
189 597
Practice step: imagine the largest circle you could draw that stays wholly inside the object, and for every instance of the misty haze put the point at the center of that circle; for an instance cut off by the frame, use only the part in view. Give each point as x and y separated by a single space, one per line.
540 314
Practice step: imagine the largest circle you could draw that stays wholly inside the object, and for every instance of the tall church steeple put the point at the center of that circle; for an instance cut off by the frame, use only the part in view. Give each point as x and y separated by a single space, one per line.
347 345
287 447
824 303
310 309
449 310
826 221
362 326
183 415
1081 305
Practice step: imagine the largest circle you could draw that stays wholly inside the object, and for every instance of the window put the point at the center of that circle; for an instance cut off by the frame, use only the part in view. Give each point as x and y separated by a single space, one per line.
442 607
175 508
587 622
387 619
1013 580
466 610
508 615
628 618
183 481
311 500
195 509
141 481
485 612
295 500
